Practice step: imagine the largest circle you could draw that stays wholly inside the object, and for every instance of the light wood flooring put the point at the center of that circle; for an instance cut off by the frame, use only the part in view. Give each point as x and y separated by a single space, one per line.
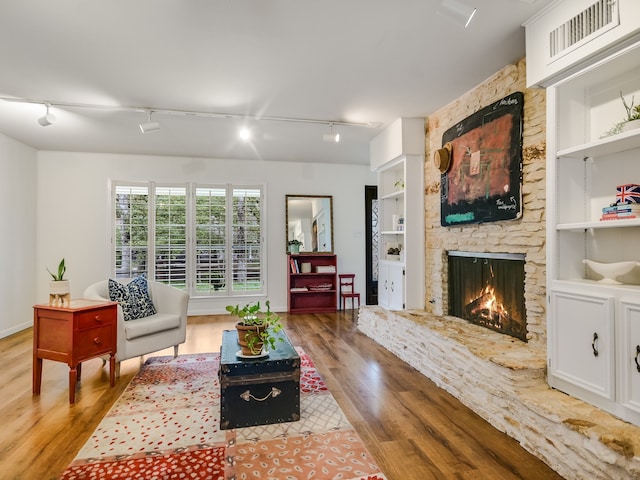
414 429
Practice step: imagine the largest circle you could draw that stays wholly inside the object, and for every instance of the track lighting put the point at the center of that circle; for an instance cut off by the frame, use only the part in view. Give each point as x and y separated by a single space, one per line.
457 11
149 126
331 137
48 119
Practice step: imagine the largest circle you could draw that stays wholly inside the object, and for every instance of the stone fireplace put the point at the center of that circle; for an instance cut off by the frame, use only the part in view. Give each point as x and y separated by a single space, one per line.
500 377
488 289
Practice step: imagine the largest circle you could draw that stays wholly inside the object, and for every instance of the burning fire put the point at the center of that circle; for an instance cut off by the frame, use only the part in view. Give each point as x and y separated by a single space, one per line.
487 310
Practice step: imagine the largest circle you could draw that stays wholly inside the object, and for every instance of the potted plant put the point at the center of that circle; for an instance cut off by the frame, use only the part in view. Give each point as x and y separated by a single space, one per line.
632 119
59 287
256 328
294 245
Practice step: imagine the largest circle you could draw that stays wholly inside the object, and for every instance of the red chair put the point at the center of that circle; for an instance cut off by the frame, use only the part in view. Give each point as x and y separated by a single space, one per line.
346 289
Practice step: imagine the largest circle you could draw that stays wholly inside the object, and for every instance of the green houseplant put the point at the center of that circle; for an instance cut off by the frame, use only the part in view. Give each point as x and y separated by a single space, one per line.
59 276
59 288
256 328
631 119
294 245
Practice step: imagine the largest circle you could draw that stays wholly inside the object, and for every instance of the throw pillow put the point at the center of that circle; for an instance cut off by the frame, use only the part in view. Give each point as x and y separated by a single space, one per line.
134 298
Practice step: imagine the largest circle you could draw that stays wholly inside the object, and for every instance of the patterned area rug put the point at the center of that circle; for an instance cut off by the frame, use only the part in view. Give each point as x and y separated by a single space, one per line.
166 426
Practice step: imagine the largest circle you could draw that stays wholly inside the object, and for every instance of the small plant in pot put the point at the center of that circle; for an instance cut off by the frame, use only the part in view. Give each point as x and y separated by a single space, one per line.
630 121
256 329
59 287
294 245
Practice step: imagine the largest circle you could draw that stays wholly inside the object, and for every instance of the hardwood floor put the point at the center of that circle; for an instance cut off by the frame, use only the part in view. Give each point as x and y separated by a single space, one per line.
414 429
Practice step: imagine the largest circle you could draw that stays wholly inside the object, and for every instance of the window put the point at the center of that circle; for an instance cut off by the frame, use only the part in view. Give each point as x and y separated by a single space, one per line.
131 230
208 243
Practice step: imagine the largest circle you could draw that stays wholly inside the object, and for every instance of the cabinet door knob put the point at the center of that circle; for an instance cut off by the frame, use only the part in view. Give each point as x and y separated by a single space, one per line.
97 341
594 346
635 359
392 286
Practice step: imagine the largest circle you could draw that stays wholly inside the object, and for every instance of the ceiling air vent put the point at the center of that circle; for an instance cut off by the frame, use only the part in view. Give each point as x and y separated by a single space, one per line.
588 24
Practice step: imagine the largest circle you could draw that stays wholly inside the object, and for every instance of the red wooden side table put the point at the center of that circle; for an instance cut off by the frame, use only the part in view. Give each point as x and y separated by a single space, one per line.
83 330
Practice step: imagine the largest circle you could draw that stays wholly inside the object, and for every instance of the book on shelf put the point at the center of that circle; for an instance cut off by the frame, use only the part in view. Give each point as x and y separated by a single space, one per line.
294 265
618 216
299 289
622 208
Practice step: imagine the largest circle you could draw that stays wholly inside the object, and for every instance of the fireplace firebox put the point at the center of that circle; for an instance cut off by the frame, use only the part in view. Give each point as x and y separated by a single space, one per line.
488 289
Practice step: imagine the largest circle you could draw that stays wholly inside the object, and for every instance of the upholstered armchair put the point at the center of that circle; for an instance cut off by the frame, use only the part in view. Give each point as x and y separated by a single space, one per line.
165 328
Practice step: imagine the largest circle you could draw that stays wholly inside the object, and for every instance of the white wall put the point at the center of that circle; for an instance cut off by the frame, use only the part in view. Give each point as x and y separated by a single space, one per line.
73 211
18 238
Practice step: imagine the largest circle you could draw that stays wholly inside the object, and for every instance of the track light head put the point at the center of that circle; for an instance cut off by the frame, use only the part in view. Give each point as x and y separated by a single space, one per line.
48 119
149 126
331 137
457 11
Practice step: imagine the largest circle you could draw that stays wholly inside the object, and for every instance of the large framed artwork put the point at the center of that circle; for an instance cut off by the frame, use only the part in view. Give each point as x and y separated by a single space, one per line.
483 181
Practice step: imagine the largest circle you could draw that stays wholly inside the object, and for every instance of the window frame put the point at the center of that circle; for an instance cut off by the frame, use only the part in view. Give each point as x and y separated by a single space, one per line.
191 263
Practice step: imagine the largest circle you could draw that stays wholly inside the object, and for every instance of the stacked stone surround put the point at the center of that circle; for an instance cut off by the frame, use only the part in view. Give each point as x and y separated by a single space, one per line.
503 381
525 235
499 377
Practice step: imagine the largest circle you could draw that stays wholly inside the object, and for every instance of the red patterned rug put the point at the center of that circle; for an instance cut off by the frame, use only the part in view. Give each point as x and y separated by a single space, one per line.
166 425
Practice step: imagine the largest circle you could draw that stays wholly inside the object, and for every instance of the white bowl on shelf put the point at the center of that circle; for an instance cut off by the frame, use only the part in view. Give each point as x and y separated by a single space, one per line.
609 271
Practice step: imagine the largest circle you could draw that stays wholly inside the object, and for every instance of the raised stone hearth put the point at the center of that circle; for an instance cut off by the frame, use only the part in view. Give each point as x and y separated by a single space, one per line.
503 380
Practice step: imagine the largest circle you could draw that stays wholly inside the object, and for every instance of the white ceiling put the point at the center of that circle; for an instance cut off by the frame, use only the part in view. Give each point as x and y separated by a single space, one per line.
336 60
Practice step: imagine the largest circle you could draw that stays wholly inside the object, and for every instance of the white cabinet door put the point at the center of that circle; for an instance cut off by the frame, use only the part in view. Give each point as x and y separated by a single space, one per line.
396 287
391 285
581 335
383 285
629 312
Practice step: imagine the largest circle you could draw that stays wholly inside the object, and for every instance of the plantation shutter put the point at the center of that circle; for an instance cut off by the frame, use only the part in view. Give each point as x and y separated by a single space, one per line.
247 240
131 232
170 236
211 240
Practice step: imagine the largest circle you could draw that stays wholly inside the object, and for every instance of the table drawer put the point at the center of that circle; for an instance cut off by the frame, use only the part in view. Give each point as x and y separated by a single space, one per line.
95 341
96 318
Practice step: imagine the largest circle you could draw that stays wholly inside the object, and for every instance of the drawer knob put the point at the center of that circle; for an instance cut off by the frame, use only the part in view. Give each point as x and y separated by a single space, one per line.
98 319
97 340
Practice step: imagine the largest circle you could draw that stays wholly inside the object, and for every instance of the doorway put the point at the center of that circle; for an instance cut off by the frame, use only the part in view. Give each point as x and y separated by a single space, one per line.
371 243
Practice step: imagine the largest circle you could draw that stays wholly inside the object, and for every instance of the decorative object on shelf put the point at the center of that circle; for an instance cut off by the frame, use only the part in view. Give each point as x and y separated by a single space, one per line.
399 184
628 193
442 157
256 329
630 122
321 287
393 253
325 269
305 267
59 288
294 245
610 271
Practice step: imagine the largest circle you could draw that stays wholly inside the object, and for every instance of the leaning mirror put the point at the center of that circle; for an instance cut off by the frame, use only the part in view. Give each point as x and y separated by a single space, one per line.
309 221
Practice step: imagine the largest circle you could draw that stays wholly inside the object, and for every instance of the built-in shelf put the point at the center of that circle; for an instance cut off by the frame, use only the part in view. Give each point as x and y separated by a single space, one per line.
620 142
580 226
398 194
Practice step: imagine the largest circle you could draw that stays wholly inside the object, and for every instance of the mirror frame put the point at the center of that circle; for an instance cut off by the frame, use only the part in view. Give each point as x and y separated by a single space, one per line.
286 225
